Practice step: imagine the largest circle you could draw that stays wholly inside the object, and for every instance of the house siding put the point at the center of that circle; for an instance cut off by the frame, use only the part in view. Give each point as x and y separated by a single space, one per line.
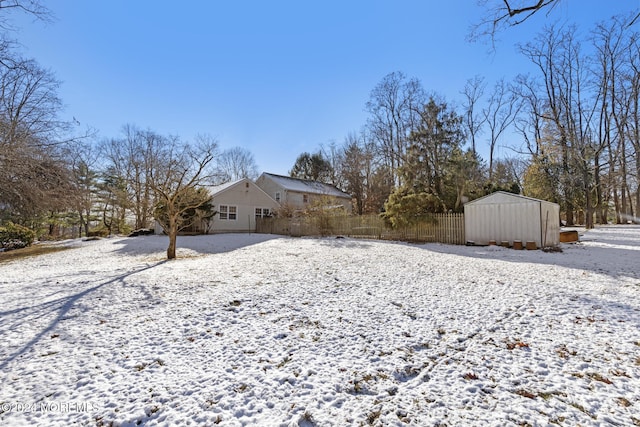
246 196
270 187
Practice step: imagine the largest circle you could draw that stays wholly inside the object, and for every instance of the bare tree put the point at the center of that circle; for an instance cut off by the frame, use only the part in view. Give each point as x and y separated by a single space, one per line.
33 168
529 121
610 75
333 154
133 157
499 114
181 169
34 8
473 120
632 79
84 162
568 116
501 14
113 199
353 171
234 164
546 54
363 174
394 105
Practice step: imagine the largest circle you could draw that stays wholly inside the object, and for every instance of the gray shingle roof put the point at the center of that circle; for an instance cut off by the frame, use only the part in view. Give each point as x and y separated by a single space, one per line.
306 186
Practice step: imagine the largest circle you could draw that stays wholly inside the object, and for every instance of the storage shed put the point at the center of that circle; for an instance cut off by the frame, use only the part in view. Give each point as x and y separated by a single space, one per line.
507 217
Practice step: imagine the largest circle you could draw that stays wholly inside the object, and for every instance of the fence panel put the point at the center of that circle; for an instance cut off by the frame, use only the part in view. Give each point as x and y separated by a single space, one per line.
445 228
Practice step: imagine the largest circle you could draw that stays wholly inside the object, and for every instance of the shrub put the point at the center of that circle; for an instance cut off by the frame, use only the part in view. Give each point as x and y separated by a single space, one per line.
98 232
15 236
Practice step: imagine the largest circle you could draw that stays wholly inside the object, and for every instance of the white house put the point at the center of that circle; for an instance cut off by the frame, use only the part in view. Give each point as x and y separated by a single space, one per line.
237 205
300 193
505 217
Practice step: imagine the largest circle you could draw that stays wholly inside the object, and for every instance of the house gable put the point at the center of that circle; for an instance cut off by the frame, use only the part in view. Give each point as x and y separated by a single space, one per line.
238 204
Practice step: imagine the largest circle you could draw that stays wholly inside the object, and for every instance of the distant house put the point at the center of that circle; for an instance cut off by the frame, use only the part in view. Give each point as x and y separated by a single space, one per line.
301 194
237 205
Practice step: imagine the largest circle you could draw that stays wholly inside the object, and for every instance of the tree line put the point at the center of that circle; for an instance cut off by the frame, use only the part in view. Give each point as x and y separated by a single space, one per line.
572 126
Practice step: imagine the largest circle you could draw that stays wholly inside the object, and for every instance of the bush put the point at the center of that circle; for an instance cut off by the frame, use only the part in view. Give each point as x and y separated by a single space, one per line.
98 232
15 236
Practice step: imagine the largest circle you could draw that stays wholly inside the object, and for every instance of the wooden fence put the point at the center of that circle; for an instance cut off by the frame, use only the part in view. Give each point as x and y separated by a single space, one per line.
446 228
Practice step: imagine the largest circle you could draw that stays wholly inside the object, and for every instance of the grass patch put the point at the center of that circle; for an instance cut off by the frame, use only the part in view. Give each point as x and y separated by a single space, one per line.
29 251
547 395
516 344
582 409
622 401
525 393
470 376
598 377
564 352
373 417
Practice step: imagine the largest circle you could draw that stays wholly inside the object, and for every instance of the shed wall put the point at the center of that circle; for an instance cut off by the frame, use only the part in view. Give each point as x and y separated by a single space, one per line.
503 222
550 223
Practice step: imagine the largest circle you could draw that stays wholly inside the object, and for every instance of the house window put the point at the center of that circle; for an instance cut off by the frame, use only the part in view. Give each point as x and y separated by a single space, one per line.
262 212
278 196
229 213
305 198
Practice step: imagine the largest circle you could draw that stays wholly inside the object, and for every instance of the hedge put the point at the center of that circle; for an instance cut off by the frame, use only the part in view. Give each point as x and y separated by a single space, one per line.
15 236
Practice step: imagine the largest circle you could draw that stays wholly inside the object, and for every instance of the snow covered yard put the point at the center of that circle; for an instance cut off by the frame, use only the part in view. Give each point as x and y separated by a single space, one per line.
266 330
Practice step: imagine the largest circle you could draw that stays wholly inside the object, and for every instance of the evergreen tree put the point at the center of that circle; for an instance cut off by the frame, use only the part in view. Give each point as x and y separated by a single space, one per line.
313 167
424 173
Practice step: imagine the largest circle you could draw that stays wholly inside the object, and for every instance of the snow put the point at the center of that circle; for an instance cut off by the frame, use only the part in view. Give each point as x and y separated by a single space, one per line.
267 330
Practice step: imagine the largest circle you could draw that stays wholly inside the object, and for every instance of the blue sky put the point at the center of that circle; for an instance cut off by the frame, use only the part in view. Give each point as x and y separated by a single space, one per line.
277 78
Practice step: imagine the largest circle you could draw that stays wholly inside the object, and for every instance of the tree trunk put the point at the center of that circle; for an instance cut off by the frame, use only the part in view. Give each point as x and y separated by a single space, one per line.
173 236
631 213
171 250
601 217
81 224
588 220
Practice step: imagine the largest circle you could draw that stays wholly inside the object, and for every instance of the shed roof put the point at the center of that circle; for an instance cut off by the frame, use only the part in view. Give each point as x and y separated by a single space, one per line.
306 186
502 197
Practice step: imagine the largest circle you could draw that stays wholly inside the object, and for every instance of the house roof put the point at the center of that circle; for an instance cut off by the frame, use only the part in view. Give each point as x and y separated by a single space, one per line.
215 189
306 186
